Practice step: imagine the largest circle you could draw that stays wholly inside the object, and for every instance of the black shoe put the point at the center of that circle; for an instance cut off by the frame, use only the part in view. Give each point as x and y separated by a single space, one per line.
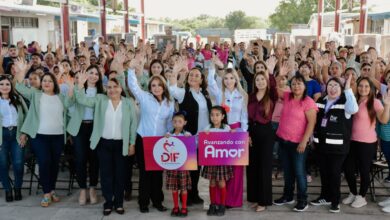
120 211
160 208
18 194
175 212
301 206
197 200
212 210
320 201
107 212
144 209
283 200
221 210
8 196
183 212
334 208
127 196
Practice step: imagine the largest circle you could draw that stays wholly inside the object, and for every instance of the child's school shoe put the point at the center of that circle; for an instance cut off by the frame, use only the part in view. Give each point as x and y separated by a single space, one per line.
212 210
183 212
175 212
221 210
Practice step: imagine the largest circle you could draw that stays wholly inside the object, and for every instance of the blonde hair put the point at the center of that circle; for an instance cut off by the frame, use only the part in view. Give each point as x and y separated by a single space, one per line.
237 85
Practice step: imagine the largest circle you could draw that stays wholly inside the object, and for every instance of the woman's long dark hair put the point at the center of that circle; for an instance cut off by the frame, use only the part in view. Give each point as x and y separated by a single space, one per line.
163 84
99 83
203 86
56 88
266 98
162 67
13 96
224 121
370 100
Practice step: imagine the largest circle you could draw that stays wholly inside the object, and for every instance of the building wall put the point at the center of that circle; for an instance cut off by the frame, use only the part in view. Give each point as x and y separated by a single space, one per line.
44 34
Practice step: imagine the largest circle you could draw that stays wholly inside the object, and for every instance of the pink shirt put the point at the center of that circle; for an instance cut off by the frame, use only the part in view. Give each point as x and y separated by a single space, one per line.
293 121
278 109
362 128
207 54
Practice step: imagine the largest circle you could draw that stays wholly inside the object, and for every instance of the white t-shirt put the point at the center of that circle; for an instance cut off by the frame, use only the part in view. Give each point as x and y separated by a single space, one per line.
51 115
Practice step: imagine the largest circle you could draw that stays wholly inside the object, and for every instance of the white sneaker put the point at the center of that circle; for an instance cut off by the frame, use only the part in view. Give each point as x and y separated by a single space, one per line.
386 209
385 202
349 199
359 202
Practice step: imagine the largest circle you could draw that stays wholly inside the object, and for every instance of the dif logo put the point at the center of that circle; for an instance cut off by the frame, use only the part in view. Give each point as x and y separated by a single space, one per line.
170 153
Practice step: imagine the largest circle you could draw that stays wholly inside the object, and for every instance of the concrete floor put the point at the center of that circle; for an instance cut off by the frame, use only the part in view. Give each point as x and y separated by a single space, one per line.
69 209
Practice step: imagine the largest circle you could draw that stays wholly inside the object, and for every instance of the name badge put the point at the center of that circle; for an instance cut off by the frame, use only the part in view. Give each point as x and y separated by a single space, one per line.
324 122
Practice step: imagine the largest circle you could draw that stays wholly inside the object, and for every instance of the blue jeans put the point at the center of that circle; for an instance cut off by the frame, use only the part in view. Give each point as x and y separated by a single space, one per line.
10 147
48 149
385 145
293 168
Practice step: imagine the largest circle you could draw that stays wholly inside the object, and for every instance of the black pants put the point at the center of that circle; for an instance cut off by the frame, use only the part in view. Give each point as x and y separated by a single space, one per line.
129 162
360 154
259 171
112 168
150 182
331 166
85 156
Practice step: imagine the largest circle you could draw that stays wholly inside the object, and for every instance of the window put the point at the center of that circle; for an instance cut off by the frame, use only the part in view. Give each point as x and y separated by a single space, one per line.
25 22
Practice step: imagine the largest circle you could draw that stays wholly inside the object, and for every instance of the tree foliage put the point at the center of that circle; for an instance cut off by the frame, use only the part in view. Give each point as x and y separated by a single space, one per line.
291 12
234 20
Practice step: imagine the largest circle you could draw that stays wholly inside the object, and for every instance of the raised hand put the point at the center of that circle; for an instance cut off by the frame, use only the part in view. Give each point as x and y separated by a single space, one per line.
386 99
21 68
82 78
271 62
284 69
348 82
4 51
217 62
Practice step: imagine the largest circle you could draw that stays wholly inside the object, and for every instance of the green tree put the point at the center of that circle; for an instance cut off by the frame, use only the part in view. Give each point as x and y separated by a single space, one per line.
239 20
291 12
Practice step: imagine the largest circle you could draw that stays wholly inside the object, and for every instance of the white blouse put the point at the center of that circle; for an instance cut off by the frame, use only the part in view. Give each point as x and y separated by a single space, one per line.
156 117
203 116
234 99
112 129
51 115
9 113
88 112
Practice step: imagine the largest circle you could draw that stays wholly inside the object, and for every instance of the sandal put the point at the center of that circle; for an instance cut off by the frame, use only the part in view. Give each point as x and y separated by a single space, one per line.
45 202
54 197
120 211
260 208
107 212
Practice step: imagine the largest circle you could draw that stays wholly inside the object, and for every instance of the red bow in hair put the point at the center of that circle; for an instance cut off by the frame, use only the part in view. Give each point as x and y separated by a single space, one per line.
227 108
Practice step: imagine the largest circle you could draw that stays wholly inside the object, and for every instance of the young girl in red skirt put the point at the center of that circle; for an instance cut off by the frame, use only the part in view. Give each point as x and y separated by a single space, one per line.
178 180
218 175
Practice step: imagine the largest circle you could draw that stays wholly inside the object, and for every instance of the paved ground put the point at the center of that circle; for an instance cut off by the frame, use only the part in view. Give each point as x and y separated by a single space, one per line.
69 209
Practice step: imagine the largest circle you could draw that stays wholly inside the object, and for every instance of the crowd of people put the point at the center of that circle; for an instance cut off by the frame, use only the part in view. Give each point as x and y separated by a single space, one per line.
295 101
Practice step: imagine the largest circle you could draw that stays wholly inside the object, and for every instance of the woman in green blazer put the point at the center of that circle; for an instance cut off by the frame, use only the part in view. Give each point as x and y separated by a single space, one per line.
45 123
113 135
13 110
80 127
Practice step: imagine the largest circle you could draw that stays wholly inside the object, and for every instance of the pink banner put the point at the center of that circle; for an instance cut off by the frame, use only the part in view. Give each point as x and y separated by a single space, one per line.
173 153
223 148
